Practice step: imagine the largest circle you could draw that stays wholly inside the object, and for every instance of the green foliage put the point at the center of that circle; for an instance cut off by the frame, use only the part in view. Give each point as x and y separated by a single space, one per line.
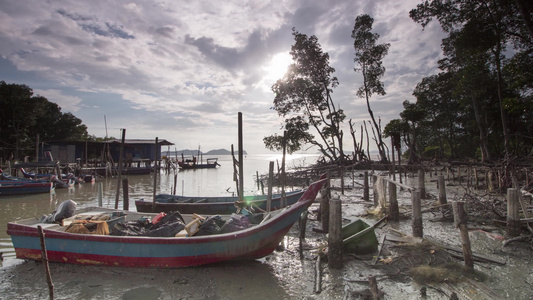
303 98
368 59
24 116
481 99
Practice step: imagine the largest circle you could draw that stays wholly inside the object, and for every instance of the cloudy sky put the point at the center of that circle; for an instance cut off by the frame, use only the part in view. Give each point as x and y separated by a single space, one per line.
182 70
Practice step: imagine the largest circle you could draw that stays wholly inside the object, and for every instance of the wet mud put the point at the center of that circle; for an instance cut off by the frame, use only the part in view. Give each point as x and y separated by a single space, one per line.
403 270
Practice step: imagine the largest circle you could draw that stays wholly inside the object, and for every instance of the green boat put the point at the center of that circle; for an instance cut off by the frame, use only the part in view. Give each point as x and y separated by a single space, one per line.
358 237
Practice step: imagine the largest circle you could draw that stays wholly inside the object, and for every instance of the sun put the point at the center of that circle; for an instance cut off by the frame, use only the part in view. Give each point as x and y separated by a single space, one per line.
278 65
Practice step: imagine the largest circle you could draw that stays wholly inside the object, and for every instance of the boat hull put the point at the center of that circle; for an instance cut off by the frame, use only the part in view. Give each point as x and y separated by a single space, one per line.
158 252
212 205
24 187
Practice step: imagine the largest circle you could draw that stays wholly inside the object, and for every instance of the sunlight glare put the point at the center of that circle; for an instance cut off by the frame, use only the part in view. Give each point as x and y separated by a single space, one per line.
277 67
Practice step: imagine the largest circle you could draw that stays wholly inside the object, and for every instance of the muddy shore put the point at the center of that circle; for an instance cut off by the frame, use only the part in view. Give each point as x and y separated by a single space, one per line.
285 274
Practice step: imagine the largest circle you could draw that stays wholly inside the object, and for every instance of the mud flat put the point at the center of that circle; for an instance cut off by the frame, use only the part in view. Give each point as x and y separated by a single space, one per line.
406 268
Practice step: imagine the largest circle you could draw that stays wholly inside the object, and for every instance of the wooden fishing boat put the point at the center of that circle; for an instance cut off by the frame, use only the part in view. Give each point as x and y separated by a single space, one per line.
66 181
158 252
189 164
20 187
211 205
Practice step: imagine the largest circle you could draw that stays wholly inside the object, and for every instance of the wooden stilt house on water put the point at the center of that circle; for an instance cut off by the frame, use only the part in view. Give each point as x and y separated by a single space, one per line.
102 158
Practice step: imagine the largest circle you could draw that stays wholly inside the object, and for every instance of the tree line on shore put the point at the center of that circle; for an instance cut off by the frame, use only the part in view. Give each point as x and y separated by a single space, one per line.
477 107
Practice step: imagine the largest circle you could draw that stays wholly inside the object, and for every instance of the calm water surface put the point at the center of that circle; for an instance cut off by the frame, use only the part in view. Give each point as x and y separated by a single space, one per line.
201 182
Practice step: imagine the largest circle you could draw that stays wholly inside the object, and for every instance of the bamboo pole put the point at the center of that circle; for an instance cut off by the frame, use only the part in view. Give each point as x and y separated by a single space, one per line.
44 258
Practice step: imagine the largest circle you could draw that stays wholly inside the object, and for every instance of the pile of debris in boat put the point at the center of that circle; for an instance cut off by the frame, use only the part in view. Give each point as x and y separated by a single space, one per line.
163 224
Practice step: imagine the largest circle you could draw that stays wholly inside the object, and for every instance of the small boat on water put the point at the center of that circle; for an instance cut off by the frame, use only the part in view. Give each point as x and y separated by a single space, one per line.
211 205
66 181
189 164
16 187
158 252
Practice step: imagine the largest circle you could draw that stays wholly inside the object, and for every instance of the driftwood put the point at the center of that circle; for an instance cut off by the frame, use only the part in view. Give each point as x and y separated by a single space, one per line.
457 253
515 239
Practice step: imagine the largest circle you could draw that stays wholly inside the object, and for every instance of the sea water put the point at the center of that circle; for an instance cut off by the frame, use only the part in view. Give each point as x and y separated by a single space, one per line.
200 182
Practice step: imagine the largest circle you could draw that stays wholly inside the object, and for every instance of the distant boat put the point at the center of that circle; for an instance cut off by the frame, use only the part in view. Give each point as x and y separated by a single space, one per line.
193 164
211 205
250 243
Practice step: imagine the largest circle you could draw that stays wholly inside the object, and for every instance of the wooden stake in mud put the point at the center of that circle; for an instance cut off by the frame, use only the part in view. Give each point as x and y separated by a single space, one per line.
44 258
394 212
421 184
324 205
442 190
125 192
120 166
366 195
270 183
335 236
513 212
241 157
417 214
373 283
175 183
100 192
156 170
460 219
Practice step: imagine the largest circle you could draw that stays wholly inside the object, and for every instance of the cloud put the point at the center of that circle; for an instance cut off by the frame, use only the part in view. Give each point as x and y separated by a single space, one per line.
67 103
188 67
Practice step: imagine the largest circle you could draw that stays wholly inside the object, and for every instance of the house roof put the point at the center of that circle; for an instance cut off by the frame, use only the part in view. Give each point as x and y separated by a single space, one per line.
161 142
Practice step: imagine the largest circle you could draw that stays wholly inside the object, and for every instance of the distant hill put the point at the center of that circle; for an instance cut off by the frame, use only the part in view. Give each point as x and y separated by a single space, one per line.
188 152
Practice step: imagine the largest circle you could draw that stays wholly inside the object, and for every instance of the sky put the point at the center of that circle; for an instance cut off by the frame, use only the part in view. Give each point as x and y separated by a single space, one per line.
183 70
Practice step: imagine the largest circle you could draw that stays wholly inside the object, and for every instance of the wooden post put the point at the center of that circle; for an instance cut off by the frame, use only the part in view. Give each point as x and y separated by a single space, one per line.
241 157
490 187
442 190
341 171
366 188
175 183
375 193
513 212
283 175
393 162
100 192
125 192
335 236
324 205
257 179
44 258
460 219
270 183
156 171
37 149
421 184
476 178
382 192
417 214
120 166
394 212
372 282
